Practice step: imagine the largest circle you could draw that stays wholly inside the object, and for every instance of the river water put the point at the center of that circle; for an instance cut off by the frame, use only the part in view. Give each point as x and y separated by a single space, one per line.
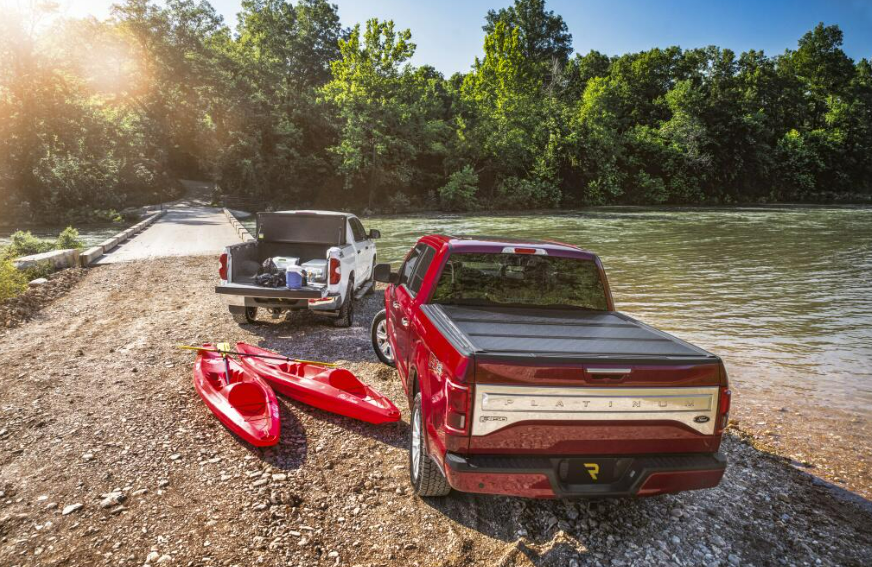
783 294
90 234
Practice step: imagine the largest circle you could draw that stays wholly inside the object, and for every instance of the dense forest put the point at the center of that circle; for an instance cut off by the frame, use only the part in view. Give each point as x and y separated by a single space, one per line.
292 108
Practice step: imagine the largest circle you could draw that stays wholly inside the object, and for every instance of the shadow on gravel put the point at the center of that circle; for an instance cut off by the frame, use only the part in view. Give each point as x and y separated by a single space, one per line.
393 434
310 336
293 447
764 510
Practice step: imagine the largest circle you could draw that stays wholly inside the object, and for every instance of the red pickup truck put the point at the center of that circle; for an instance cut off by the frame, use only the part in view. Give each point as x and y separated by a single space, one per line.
523 380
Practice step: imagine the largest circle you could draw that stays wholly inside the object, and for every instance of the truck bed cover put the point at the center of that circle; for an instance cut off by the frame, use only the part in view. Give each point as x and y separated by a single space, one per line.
574 335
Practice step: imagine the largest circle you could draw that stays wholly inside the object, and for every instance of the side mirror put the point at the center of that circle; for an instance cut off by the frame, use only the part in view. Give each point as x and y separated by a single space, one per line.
382 273
374 233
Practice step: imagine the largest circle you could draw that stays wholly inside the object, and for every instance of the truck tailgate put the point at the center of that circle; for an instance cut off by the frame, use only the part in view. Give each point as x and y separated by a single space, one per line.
251 290
565 382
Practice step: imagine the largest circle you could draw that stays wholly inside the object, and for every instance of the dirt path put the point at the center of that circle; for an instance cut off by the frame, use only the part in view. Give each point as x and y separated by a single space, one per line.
94 399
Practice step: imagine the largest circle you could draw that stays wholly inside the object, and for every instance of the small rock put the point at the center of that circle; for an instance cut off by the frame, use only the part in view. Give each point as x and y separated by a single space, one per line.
734 559
37 282
140 492
152 557
675 540
112 499
333 554
259 483
72 508
88 457
163 484
175 457
51 505
279 477
164 559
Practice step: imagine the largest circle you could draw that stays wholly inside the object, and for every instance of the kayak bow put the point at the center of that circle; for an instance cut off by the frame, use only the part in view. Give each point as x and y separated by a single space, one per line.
336 390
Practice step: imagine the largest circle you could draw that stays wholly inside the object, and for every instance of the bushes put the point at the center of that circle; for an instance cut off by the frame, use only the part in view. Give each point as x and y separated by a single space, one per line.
515 193
69 238
459 193
24 243
12 282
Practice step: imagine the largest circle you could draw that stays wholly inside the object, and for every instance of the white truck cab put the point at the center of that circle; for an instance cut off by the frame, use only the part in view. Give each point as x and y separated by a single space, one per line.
333 250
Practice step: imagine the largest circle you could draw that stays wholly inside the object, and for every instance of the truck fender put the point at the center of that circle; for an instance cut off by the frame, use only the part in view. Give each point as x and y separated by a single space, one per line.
414 388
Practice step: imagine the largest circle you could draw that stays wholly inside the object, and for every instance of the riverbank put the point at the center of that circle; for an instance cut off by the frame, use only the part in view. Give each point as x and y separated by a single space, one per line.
99 399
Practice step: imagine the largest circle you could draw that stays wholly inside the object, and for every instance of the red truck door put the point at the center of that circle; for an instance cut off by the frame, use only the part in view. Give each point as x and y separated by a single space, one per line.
402 301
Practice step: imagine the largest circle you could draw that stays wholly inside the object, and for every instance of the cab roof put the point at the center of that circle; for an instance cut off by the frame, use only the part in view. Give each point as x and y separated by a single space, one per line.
478 243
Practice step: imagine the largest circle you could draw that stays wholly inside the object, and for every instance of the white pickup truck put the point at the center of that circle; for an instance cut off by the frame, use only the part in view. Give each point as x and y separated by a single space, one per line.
335 252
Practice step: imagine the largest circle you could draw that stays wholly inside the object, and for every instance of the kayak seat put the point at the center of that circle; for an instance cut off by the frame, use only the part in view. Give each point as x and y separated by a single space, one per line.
343 379
246 398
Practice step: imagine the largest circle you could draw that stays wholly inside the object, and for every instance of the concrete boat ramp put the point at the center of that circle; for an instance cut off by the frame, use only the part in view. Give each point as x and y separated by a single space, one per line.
187 229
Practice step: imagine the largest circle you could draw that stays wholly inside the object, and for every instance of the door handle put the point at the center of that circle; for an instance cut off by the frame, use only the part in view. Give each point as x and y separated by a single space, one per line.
395 305
404 322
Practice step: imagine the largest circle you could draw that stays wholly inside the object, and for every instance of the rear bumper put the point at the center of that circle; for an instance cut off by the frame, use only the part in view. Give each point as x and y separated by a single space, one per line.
241 295
543 477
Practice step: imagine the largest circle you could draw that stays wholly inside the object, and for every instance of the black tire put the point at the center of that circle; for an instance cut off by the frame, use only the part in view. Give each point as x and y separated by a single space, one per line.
346 312
244 315
379 333
427 479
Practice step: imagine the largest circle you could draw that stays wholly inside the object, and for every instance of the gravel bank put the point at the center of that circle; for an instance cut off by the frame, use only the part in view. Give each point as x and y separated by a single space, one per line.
108 457
21 308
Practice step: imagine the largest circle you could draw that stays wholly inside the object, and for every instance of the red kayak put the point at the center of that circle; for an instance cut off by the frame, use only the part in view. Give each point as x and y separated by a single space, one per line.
335 390
244 403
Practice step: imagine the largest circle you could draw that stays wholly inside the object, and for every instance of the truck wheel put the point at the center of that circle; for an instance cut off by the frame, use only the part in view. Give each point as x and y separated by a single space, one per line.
244 315
380 343
426 478
346 312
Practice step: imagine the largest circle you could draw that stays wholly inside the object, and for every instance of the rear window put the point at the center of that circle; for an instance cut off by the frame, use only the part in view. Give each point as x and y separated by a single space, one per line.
520 279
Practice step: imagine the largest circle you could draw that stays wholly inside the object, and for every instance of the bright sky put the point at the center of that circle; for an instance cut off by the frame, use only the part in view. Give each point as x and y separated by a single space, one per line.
448 32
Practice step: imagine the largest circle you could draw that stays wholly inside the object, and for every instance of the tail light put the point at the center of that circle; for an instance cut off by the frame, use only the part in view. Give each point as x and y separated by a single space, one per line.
456 397
724 408
335 274
222 269
457 406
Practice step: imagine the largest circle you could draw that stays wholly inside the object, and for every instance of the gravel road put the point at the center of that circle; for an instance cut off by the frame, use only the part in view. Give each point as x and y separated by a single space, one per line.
108 457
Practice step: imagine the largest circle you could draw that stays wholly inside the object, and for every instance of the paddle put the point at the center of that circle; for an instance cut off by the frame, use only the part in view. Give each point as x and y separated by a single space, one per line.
224 348
237 353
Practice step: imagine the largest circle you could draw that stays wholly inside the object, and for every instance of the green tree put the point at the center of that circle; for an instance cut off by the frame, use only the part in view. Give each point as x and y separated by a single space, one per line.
543 34
377 144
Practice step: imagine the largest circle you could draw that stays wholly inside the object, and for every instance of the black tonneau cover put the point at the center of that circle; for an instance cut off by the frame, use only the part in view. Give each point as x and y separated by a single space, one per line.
301 228
523 332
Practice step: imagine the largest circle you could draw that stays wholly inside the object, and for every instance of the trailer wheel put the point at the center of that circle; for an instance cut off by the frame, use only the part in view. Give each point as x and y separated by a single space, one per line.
244 315
346 312
427 480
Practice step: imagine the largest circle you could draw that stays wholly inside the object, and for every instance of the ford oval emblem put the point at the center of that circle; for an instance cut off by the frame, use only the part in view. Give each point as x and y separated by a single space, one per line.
701 419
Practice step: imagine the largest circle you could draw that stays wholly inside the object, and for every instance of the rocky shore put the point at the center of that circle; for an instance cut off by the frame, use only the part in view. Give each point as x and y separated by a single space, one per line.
108 457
